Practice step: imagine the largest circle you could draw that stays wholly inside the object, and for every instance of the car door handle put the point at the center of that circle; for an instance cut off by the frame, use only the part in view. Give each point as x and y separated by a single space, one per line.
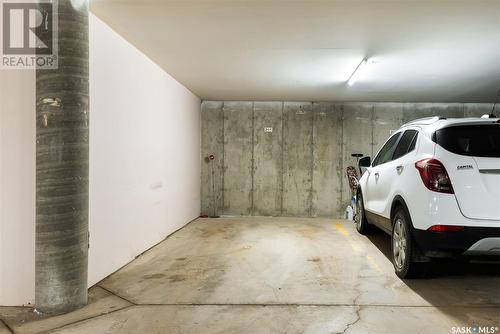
377 175
399 168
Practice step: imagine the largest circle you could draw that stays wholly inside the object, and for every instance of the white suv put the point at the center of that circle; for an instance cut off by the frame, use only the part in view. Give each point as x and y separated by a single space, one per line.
435 188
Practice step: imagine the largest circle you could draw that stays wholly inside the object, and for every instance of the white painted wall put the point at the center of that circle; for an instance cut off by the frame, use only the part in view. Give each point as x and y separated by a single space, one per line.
144 162
145 153
17 186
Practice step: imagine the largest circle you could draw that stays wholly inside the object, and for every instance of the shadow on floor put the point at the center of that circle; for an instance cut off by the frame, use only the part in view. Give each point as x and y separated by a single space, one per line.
443 267
452 282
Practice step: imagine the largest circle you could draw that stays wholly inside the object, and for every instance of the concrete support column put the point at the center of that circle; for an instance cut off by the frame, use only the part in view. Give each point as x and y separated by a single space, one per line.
62 167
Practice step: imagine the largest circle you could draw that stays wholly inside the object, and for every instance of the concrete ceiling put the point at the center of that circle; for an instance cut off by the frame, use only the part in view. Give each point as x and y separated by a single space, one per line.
432 51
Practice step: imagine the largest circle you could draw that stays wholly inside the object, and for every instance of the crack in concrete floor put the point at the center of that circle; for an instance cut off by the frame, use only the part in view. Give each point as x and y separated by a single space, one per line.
352 323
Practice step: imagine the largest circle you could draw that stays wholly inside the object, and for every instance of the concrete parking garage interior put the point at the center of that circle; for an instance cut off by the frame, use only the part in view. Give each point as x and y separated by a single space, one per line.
261 87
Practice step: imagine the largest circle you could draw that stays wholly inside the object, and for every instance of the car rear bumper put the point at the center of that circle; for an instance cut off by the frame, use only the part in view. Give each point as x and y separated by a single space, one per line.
486 246
469 241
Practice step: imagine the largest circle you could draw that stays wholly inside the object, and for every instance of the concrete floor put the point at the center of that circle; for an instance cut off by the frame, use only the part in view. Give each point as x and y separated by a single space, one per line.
275 275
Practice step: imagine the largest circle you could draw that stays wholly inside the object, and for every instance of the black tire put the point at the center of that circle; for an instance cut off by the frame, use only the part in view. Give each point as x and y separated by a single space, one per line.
362 225
403 248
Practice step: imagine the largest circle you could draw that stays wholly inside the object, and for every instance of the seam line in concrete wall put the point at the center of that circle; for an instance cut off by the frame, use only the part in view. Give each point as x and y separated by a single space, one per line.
223 190
312 161
253 161
341 156
373 129
282 155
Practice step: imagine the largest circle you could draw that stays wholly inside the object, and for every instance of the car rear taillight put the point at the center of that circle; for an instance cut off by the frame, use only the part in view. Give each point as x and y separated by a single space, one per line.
434 175
445 228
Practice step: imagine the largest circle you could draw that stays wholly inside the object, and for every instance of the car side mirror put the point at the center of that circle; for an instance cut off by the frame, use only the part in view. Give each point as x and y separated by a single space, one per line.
364 163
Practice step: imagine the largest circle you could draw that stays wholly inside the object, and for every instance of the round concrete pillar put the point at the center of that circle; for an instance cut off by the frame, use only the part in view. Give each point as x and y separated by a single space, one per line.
62 167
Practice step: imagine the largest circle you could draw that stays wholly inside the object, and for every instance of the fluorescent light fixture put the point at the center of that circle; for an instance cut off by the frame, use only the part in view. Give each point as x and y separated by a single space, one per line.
354 76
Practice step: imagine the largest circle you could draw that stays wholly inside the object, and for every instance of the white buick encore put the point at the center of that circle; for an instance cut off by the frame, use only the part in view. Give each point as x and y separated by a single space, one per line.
435 188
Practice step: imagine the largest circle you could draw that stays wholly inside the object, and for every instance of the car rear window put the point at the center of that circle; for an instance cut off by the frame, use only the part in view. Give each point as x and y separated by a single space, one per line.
471 140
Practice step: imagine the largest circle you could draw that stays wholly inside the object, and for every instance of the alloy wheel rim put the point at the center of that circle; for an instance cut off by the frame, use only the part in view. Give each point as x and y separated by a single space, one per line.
399 244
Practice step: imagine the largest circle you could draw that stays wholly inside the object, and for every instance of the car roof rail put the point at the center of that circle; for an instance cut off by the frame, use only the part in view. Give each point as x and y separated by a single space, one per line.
489 116
425 121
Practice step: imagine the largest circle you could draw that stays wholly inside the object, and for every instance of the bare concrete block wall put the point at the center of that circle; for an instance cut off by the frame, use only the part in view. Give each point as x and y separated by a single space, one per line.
357 137
238 158
327 160
268 159
212 134
289 158
297 158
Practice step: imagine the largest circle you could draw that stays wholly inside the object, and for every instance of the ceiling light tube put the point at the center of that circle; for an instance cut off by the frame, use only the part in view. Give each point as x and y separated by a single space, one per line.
352 79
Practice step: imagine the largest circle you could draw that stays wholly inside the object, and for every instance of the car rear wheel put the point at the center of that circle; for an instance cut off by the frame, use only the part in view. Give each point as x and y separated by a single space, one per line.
362 225
403 247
